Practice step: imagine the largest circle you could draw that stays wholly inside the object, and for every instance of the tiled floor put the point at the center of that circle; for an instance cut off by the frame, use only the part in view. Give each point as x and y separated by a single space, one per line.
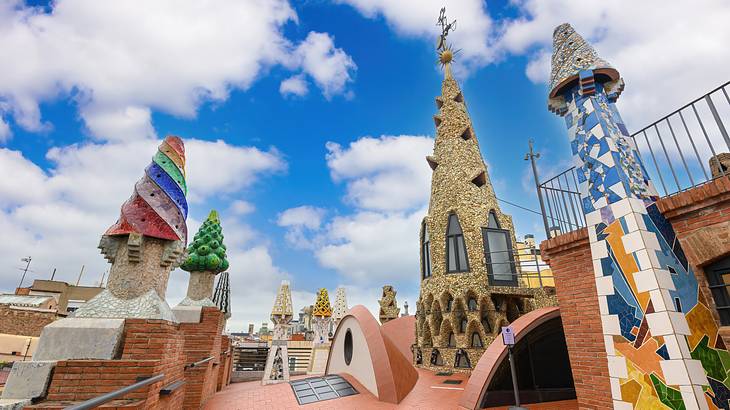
429 393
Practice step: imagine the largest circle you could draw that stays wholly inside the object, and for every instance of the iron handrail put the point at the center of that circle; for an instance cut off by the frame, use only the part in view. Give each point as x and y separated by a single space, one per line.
198 363
107 397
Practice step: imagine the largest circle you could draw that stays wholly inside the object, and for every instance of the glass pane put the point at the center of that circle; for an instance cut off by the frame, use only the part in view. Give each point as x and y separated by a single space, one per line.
492 221
499 255
726 278
452 254
428 259
454 227
425 233
462 252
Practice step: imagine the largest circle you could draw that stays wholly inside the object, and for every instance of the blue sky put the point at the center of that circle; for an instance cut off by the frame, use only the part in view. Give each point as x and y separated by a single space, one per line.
307 181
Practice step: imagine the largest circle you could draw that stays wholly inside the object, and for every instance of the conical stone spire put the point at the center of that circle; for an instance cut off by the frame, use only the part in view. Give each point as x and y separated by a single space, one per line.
340 308
282 303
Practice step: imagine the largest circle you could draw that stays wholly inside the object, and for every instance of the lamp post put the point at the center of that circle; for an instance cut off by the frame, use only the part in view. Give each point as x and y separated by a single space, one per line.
531 156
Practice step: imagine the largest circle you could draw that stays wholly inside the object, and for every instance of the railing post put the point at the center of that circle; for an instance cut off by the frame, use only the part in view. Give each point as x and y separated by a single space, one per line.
720 125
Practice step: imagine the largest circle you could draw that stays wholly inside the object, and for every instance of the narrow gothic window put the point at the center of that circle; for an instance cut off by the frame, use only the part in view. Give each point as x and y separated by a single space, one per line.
462 359
462 326
452 339
501 267
426 253
455 248
472 304
476 340
449 303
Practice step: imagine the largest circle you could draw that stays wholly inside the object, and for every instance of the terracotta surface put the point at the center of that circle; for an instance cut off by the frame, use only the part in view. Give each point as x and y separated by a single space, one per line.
394 373
569 256
402 332
497 352
429 393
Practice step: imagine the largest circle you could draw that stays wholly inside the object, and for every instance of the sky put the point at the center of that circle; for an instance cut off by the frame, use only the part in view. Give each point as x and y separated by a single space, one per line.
306 123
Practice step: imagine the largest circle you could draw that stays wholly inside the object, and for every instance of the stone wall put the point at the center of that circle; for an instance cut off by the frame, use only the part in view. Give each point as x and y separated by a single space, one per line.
569 256
24 322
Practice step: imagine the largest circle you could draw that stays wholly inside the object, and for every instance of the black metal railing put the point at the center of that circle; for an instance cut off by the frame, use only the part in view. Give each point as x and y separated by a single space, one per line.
681 150
563 209
107 397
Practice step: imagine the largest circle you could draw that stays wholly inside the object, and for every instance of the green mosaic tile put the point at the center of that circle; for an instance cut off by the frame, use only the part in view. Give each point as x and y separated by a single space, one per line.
667 395
710 359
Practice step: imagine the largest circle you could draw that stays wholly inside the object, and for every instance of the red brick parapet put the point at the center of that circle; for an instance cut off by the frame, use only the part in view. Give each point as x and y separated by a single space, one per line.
569 256
202 340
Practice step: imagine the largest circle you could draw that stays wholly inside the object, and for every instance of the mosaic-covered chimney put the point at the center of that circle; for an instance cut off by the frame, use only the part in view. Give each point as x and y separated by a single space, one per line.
206 257
147 241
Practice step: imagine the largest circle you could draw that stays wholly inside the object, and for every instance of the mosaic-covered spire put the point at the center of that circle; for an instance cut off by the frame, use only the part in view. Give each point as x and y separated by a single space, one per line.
322 305
340 307
157 207
222 295
571 55
282 303
207 251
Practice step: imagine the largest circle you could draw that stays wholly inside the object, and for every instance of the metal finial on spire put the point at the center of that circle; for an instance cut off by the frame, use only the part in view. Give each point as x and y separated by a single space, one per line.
446 53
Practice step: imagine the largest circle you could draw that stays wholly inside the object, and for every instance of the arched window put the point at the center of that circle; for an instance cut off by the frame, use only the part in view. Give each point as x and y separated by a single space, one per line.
462 359
449 303
425 253
456 260
476 340
501 268
462 326
452 340
472 304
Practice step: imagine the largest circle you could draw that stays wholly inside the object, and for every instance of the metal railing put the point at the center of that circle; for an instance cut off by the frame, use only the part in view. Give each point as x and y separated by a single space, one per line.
679 151
198 363
563 209
105 398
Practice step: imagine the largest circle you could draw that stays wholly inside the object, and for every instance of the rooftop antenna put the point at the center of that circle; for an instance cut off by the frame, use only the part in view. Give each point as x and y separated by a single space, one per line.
53 275
80 273
27 265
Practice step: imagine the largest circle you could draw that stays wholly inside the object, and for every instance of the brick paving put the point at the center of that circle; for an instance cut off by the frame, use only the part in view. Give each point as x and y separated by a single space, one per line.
429 394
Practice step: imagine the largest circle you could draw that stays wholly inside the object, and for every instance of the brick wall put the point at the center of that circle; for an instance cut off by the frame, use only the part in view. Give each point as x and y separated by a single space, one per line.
202 340
224 369
151 347
569 256
24 322
701 220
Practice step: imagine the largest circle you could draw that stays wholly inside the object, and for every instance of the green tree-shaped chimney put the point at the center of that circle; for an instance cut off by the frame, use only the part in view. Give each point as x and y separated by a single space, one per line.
207 251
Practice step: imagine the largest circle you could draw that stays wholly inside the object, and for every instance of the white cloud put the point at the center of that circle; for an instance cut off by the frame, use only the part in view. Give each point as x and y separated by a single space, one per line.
121 61
5 132
387 173
295 85
679 45
306 216
330 67
241 207
417 18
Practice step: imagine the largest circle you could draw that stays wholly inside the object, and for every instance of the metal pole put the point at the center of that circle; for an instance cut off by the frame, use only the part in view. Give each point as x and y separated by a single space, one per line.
531 156
720 125
80 273
53 275
513 369
27 265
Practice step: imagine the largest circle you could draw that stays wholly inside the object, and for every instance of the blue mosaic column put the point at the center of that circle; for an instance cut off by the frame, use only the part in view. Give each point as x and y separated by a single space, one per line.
661 340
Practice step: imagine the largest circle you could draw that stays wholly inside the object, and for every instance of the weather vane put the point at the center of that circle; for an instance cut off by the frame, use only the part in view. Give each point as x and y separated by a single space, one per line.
445 28
446 54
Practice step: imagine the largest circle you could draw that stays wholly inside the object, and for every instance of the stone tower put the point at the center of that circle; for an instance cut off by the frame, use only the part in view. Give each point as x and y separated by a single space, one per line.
389 309
659 350
340 307
322 317
469 279
277 363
